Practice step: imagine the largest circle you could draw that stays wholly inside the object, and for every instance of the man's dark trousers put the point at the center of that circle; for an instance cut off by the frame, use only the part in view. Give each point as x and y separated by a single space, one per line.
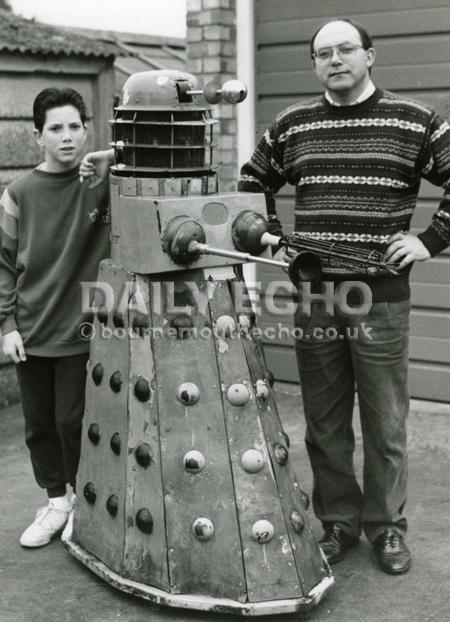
370 351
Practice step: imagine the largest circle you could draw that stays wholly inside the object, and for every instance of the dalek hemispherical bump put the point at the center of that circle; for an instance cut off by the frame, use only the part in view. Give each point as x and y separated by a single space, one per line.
194 461
90 493
297 521
263 531
143 455
238 394
252 461
269 378
281 454
144 521
262 390
188 393
304 498
97 374
183 324
142 389
102 315
245 322
112 505
225 326
203 528
94 433
116 381
115 443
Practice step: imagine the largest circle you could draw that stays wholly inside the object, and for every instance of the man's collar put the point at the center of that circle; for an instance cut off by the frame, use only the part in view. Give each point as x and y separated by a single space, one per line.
368 91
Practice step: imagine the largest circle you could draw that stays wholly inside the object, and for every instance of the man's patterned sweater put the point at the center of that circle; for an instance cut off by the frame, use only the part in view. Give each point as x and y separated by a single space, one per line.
356 171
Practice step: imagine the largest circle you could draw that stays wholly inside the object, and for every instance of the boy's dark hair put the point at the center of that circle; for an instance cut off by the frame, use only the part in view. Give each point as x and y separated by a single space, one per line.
366 38
55 98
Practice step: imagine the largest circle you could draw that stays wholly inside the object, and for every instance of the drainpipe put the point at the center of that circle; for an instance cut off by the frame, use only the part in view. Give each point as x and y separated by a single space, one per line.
246 125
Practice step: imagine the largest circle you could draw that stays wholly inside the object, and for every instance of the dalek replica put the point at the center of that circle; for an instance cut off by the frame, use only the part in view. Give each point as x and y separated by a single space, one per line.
186 495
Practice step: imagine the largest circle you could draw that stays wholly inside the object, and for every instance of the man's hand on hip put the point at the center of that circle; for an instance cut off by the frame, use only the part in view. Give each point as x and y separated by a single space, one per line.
405 248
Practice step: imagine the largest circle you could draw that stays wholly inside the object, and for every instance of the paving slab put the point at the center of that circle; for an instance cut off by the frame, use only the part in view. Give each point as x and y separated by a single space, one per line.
48 584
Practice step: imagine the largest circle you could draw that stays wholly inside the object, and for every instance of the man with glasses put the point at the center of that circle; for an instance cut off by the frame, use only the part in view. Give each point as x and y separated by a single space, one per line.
356 156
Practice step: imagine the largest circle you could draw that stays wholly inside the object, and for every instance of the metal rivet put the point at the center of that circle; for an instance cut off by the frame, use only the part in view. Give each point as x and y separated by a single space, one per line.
252 461
115 382
112 505
144 520
281 454
203 528
94 433
262 531
90 493
142 389
115 443
238 394
297 521
143 455
194 461
188 393
97 374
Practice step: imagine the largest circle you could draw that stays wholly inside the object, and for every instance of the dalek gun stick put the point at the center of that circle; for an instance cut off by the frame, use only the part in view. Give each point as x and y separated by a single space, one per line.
198 247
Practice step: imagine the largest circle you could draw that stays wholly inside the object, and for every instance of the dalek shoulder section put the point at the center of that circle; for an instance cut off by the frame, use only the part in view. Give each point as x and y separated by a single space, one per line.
152 234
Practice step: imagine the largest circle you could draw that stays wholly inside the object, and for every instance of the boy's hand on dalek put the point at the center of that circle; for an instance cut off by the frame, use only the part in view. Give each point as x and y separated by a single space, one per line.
96 165
13 346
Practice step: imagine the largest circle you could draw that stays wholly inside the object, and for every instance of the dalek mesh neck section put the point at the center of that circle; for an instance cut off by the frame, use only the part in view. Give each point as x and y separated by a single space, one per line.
159 130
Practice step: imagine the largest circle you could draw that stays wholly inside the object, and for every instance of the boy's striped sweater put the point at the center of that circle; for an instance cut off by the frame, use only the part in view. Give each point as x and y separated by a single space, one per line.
54 231
356 171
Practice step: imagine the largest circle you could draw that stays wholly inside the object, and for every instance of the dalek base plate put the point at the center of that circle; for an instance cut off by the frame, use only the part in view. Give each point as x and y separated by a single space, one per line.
198 602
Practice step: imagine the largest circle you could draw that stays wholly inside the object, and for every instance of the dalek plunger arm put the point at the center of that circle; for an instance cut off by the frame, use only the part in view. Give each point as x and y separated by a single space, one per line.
184 240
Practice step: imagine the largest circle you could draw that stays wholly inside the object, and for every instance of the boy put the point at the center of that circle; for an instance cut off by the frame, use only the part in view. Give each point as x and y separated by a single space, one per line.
53 234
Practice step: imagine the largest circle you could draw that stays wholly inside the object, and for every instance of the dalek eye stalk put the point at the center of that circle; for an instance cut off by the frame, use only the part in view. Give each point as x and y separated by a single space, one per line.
186 492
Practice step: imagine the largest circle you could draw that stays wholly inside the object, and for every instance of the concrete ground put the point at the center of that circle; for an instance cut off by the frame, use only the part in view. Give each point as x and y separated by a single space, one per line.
49 585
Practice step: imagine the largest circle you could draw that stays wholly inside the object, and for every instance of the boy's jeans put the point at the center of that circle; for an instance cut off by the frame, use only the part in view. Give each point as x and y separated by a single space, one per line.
52 392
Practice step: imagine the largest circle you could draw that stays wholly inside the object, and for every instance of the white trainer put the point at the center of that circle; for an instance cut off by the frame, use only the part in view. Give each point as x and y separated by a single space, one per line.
68 529
48 522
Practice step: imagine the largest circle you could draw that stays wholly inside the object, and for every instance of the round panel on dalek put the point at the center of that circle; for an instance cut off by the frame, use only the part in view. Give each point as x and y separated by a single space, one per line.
184 460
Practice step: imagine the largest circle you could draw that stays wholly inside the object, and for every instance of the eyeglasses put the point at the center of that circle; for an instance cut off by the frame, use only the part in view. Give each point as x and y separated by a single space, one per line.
344 50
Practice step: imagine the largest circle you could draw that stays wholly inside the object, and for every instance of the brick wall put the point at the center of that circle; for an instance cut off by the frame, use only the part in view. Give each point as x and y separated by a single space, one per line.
211 55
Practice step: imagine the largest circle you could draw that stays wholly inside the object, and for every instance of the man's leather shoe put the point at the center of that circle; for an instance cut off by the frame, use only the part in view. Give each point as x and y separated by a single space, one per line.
336 542
391 552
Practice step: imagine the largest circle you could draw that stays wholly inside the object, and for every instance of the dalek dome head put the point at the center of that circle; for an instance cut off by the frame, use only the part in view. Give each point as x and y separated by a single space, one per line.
163 125
160 89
